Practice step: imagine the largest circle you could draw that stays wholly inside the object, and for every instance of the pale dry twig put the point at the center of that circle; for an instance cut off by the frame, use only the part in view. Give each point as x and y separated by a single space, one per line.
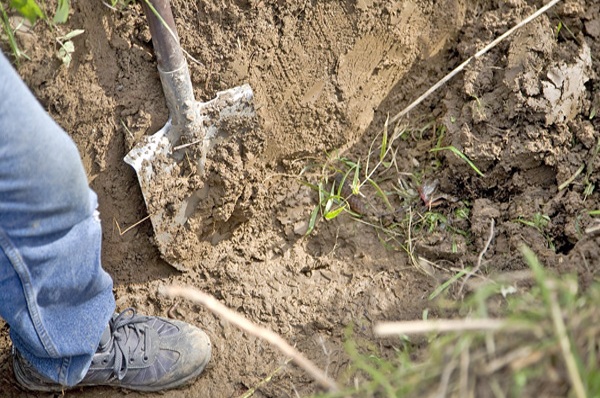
439 325
246 325
480 257
477 55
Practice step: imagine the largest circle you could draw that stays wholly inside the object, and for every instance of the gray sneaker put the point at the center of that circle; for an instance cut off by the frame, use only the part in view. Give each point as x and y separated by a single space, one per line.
136 352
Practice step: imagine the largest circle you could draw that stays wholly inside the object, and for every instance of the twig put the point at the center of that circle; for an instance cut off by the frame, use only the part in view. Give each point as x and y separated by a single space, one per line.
592 229
258 331
572 178
171 311
439 325
121 233
477 55
510 277
178 147
109 6
480 257
499 363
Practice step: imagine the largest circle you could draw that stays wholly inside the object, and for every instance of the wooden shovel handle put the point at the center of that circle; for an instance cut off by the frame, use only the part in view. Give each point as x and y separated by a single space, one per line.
166 43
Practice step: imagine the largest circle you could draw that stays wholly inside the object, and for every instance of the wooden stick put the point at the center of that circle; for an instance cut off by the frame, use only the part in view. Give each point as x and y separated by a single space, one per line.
249 327
438 325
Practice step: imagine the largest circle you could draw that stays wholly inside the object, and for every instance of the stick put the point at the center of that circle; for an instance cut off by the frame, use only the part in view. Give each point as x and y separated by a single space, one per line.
439 325
480 257
477 55
255 330
121 233
176 148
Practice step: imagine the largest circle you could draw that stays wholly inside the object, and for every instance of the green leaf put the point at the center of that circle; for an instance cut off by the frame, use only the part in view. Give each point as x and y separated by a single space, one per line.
71 34
356 181
449 282
328 204
313 220
12 42
69 47
28 8
321 193
334 213
381 194
460 155
62 11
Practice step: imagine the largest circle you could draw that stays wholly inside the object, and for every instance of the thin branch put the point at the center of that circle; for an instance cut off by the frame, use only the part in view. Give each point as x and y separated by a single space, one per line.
480 257
182 146
255 330
477 55
439 325
121 233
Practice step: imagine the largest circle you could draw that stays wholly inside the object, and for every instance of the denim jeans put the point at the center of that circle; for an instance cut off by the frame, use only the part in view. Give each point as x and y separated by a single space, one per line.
54 294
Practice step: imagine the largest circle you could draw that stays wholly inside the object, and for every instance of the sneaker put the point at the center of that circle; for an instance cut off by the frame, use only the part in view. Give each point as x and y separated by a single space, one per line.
136 352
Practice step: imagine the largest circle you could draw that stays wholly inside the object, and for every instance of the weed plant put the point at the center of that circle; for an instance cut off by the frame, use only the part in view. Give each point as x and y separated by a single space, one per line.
402 205
547 346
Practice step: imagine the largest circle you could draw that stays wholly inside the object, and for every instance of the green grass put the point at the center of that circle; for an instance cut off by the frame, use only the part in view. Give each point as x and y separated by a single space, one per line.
33 11
29 9
403 206
551 328
461 156
10 36
540 223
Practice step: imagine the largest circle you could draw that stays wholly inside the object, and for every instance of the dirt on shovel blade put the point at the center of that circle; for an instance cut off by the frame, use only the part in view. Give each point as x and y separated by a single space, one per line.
189 206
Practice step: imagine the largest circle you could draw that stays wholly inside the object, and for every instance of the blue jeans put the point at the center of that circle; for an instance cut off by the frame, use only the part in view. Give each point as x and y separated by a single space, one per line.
54 293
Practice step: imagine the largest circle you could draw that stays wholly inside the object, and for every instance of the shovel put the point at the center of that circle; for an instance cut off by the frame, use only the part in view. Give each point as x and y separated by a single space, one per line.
182 145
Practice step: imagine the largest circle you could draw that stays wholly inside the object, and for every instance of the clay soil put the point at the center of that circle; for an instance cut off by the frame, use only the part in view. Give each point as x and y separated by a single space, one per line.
325 76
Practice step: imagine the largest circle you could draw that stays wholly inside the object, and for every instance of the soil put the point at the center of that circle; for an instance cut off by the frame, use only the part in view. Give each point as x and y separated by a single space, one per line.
325 76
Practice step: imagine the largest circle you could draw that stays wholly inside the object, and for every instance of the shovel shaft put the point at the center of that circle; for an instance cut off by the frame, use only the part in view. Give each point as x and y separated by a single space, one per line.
172 67
164 34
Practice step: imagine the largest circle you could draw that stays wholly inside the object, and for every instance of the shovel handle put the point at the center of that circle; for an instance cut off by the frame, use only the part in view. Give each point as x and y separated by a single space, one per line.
164 38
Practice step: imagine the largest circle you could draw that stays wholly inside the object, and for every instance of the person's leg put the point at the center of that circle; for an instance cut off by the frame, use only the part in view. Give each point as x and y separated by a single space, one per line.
53 292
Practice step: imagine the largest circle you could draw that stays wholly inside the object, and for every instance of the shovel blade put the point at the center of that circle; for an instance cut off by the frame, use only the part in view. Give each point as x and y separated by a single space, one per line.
157 158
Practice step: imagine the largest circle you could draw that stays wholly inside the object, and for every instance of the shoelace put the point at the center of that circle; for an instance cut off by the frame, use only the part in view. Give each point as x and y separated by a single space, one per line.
126 323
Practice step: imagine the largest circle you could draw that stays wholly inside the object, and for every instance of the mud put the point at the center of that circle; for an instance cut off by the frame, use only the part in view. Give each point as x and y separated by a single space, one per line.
326 75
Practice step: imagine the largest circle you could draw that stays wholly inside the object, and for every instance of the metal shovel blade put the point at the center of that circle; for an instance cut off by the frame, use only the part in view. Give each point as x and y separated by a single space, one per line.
159 160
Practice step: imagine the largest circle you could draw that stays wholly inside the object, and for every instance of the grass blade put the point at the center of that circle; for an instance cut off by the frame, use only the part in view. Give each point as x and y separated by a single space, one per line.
355 181
28 8
384 140
313 220
330 215
381 194
449 282
12 42
460 155
62 11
